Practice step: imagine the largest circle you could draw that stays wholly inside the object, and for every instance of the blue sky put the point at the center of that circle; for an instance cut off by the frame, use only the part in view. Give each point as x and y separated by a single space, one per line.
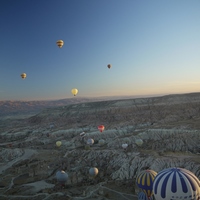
153 46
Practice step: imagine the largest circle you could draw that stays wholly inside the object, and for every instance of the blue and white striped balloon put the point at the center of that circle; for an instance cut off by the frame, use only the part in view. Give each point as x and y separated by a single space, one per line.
143 196
176 183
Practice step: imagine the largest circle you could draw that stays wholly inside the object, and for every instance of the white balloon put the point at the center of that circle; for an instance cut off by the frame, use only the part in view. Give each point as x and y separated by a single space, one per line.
124 146
90 141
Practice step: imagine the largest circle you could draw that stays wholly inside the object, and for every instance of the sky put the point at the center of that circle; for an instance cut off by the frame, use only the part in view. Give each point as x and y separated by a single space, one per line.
153 47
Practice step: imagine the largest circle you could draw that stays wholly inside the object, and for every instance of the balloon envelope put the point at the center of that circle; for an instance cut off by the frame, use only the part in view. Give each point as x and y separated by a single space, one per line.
60 43
143 196
74 91
101 128
51 126
90 141
145 181
61 177
93 171
109 66
101 141
58 143
83 134
139 142
23 75
176 183
124 146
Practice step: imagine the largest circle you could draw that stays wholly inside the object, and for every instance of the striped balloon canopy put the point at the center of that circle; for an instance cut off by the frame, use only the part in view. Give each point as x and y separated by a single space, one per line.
145 181
176 183
143 196
60 43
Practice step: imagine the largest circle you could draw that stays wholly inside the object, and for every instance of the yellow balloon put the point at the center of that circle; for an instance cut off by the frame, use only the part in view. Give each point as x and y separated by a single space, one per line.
139 142
74 91
58 143
60 43
23 75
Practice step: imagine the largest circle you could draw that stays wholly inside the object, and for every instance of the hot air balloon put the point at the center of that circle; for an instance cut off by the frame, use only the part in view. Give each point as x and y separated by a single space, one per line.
145 181
60 43
90 141
83 134
101 128
176 183
74 91
143 196
139 142
93 171
61 177
109 66
101 141
58 143
51 126
124 146
23 75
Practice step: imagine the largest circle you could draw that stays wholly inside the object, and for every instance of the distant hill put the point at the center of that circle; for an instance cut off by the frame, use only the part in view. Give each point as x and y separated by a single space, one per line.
24 108
21 108
32 107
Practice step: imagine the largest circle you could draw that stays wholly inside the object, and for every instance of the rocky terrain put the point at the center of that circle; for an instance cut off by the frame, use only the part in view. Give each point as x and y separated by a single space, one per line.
16 109
29 158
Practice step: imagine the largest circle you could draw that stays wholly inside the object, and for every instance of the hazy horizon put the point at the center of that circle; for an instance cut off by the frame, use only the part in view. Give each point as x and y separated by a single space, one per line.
153 47
104 97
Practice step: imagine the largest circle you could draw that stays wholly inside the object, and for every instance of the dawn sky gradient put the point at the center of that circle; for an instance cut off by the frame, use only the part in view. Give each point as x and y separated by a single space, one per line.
153 46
